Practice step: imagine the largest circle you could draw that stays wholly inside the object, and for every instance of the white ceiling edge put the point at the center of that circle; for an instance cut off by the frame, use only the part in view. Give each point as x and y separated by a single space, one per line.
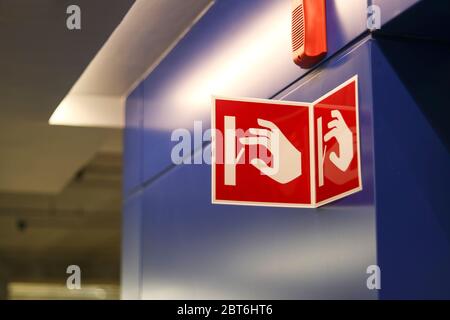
90 111
148 32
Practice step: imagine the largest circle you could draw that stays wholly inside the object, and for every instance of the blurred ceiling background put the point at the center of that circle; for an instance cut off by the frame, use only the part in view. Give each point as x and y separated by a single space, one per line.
60 186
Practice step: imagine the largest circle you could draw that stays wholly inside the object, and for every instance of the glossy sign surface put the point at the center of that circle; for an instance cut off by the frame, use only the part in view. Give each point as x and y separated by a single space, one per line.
338 164
248 167
281 153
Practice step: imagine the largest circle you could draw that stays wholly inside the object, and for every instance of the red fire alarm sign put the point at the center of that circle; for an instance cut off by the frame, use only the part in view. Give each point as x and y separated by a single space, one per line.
291 154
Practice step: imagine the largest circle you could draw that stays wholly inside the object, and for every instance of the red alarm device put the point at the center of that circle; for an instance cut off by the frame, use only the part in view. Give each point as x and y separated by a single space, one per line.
309 32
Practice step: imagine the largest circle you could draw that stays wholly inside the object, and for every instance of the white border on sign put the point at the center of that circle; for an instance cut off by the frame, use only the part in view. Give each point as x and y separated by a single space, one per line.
312 157
310 107
214 200
360 187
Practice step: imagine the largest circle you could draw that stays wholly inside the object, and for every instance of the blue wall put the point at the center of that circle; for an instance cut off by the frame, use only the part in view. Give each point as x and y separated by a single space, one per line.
413 168
178 245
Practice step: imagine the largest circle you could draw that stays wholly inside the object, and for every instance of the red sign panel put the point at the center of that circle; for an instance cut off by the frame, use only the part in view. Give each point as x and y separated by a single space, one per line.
336 143
291 154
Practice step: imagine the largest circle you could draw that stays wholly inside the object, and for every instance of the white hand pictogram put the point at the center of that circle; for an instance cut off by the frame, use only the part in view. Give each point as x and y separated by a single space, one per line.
344 137
286 159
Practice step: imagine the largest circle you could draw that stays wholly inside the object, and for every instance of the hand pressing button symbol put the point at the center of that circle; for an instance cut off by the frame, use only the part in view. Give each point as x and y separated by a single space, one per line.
344 137
286 159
